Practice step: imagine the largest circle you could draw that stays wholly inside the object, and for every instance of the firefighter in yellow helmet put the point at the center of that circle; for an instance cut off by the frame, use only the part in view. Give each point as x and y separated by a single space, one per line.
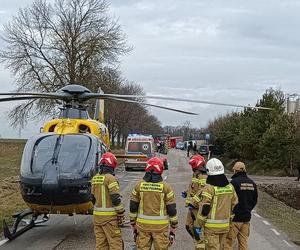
217 202
109 211
153 213
197 163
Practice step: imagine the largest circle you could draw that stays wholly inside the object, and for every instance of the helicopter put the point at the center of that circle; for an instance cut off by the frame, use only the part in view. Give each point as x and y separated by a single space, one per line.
58 164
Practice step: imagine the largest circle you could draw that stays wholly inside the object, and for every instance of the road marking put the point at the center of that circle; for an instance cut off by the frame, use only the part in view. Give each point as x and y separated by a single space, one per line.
287 243
257 215
275 231
266 222
2 242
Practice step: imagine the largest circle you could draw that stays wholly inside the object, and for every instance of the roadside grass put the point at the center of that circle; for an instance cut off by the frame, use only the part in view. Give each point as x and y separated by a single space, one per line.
10 203
282 216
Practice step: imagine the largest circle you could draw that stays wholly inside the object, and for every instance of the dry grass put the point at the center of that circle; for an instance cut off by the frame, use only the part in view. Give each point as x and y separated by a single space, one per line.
10 197
282 216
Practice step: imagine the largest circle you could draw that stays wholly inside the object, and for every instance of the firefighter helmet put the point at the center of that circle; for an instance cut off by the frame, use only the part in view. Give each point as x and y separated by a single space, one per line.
109 160
155 165
214 167
197 162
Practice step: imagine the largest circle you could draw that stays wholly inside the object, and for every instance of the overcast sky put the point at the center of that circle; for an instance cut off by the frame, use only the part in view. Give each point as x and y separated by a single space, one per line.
223 51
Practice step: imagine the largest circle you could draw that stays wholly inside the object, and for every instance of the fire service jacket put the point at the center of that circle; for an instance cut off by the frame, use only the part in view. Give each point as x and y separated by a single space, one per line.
196 186
106 191
152 206
247 193
216 208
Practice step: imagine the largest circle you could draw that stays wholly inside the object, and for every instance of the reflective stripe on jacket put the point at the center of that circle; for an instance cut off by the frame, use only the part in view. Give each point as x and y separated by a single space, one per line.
104 187
195 188
221 201
153 200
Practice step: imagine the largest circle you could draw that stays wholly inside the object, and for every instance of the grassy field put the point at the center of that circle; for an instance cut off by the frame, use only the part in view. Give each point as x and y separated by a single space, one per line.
10 197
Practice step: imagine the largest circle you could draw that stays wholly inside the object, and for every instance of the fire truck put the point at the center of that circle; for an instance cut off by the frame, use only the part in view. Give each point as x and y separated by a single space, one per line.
138 144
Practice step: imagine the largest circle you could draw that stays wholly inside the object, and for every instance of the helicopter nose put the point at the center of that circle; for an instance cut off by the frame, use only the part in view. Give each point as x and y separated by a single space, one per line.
50 180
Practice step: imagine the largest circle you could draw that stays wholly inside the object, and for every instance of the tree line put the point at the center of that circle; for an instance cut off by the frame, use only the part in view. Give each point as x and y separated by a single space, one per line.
268 140
51 45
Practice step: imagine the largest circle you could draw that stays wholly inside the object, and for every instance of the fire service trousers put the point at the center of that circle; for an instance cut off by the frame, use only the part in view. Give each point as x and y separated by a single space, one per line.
241 231
160 240
214 241
189 225
108 236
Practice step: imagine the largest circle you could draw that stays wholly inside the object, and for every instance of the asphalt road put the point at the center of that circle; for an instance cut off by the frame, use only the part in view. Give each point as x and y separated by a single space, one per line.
64 232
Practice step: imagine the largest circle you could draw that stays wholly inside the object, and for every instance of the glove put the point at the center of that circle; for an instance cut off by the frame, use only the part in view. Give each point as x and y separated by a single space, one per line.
191 207
197 232
183 194
172 236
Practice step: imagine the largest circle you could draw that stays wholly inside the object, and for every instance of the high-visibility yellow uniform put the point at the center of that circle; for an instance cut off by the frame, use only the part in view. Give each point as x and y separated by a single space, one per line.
108 207
215 214
153 209
196 187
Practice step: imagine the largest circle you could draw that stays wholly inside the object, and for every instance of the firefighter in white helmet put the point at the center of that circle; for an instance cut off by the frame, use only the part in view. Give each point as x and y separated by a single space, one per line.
217 201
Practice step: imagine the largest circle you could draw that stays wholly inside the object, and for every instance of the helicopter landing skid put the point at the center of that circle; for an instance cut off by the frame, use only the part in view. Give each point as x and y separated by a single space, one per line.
19 217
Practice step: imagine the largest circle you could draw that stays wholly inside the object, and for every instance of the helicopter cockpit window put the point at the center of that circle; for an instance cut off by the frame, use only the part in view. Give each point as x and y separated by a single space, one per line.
73 113
69 153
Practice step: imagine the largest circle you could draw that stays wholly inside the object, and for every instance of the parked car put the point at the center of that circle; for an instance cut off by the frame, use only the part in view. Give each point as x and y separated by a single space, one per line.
205 149
180 145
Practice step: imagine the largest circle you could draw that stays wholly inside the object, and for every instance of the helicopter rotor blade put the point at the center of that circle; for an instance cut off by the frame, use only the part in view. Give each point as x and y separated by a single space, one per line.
21 98
152 105
94 95
54 95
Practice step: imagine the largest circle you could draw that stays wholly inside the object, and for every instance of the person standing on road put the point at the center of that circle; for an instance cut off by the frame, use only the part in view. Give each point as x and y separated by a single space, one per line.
189 148
109 211
217 201
197 164
153 209
195 149
247 194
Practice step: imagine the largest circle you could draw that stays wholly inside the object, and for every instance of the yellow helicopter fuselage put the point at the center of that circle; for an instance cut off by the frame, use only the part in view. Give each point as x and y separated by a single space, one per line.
76 126
64 126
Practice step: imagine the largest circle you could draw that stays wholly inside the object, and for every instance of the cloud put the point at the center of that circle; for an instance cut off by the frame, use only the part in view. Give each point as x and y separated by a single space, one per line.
224 51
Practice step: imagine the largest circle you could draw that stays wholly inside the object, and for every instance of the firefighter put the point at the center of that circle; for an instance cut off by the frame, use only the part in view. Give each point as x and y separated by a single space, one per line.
153 213
217 201
109 211
197 164
247 195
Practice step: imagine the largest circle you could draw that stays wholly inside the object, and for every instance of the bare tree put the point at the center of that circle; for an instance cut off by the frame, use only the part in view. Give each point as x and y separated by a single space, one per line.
52 45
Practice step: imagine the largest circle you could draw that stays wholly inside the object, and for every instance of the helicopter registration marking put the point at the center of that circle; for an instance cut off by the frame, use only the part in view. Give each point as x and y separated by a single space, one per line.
98 179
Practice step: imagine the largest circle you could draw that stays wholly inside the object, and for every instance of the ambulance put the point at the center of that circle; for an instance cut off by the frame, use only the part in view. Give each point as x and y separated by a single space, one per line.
138 144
